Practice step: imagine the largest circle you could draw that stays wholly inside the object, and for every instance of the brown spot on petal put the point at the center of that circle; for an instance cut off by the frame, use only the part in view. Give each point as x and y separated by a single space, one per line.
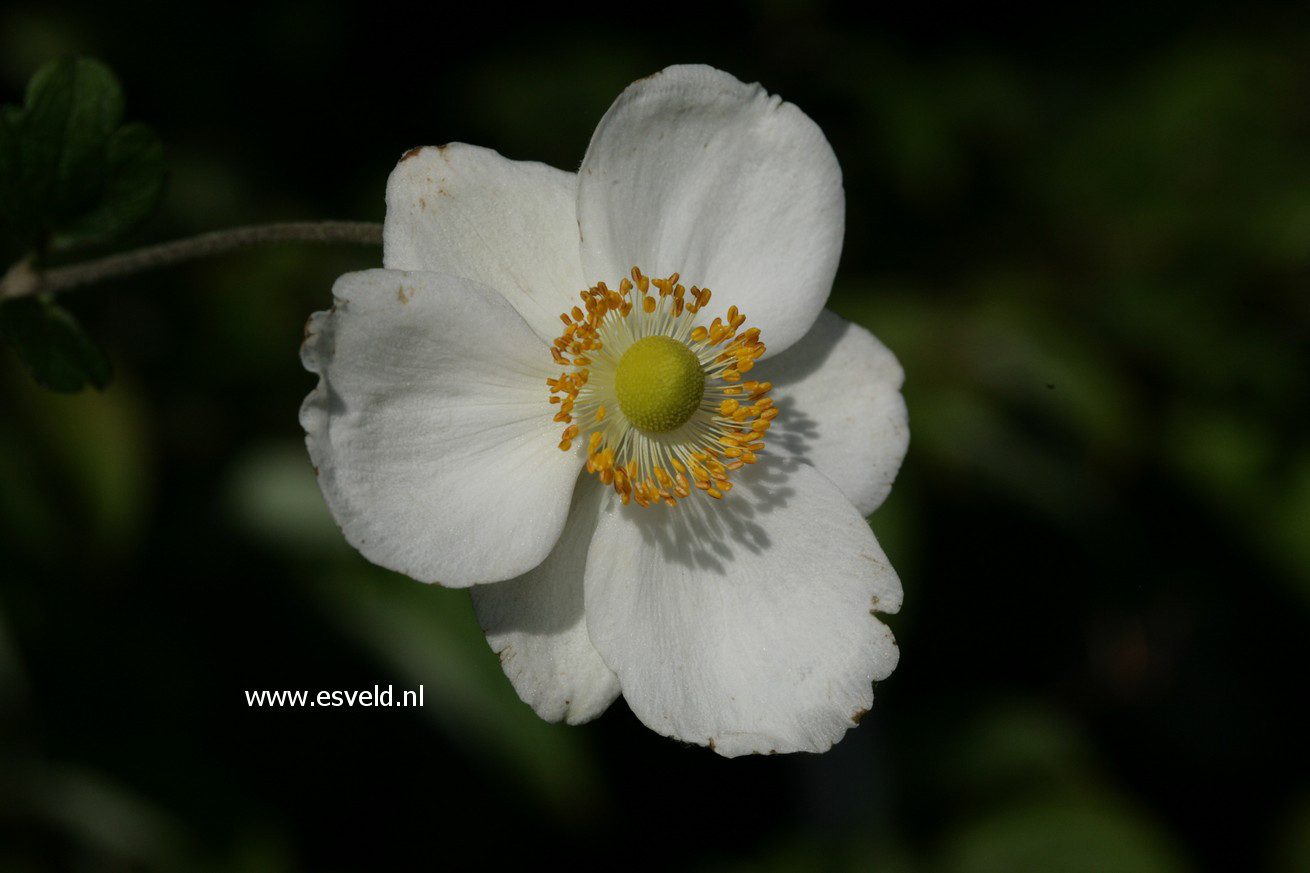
710 743
400 294
422 203
411 153
859 714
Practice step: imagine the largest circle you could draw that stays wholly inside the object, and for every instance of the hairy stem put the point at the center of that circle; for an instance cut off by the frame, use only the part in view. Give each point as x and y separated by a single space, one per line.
22 280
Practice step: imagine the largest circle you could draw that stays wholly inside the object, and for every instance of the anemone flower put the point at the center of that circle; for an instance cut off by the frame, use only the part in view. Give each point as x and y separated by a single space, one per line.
612 405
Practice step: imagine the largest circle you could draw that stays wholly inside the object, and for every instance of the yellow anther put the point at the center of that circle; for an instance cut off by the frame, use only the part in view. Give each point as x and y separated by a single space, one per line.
660 459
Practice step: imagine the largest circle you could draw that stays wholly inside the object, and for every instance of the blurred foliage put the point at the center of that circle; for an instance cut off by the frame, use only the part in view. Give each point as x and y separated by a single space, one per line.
1087 237
52 344
71 173
70 170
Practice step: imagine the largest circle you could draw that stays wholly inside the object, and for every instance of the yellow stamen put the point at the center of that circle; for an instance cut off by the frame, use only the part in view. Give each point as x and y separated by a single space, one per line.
690 421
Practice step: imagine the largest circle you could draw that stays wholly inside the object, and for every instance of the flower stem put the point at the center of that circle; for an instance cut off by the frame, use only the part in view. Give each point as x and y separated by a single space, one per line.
22 280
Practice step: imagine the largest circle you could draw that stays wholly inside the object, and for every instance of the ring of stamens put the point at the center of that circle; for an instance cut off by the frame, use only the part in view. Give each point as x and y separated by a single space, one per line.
725 432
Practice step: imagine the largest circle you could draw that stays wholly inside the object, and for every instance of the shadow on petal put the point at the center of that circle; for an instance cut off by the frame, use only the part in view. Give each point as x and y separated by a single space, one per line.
706 534
555 586
793 430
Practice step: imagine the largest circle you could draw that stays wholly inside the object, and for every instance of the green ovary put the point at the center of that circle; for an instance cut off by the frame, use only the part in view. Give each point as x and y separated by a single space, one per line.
659 384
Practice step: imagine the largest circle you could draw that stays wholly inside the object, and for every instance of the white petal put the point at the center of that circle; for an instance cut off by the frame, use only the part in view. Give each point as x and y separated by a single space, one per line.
745 625
695 172
536 624
512 225
431 428
839 392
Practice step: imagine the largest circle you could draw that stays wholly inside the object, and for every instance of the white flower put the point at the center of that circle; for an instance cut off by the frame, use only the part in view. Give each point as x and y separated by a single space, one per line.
464 433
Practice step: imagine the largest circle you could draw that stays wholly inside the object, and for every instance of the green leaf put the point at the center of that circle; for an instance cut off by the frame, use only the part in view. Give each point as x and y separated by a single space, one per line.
70 171
133 182
53 346
73 107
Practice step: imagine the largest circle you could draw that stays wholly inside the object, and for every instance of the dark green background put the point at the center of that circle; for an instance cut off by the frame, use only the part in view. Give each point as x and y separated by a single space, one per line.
1087 237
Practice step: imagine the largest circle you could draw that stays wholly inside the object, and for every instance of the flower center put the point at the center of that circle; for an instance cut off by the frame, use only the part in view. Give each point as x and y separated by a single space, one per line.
659 383
658 395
